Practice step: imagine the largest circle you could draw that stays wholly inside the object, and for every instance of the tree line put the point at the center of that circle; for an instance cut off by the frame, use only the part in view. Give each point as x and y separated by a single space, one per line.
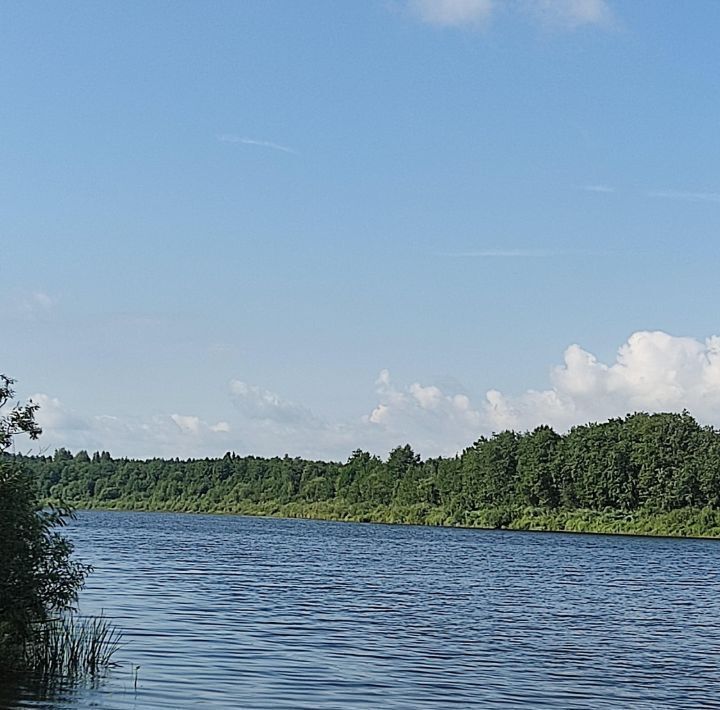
642 463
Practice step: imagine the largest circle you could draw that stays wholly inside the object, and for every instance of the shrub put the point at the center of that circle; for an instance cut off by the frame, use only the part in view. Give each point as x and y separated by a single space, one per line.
39 580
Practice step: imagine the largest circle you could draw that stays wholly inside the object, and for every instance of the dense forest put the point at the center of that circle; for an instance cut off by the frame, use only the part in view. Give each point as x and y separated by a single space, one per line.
651 474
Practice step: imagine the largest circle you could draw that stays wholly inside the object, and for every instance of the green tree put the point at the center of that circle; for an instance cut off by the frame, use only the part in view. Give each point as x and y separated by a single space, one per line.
37 575
537 467
401 461
19 420
490 471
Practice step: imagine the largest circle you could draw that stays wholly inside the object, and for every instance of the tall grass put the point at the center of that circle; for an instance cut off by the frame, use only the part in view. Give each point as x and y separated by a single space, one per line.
70 646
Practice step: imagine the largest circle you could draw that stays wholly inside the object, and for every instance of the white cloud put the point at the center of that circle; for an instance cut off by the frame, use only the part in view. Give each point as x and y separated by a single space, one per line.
168 436
569 14
231 138
425 416
257 403
196 426
187 424
53 415
652 371
274 426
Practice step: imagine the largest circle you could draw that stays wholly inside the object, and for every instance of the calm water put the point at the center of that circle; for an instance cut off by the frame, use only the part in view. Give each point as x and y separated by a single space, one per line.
232 612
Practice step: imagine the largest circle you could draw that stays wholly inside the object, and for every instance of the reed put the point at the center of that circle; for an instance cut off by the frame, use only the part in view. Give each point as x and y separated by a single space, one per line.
70 646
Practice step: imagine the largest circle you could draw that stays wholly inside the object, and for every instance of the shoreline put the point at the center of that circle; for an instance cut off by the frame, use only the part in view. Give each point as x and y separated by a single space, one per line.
577 517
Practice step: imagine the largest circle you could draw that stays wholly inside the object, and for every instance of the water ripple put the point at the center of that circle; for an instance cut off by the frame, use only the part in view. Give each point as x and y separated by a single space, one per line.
233 612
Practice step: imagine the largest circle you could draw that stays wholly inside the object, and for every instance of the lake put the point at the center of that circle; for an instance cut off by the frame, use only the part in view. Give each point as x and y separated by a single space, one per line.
239 612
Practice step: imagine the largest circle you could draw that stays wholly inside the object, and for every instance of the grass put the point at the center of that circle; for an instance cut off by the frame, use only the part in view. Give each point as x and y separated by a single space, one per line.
70 646
682 522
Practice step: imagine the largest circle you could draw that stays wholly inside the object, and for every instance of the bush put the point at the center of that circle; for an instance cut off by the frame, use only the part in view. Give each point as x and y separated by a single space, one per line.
37 575
39 580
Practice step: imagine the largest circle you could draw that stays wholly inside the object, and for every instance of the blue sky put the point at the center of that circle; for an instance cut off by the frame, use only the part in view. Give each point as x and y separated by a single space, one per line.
308 227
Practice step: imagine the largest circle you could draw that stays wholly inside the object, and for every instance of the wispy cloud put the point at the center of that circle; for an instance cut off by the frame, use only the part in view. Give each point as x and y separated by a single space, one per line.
504 253
568 14
686 196
679 195
451 13
597 188
571 13
29 305
232 138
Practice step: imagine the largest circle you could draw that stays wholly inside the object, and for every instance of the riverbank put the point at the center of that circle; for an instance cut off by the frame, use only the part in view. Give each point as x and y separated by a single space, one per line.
646 474
683 522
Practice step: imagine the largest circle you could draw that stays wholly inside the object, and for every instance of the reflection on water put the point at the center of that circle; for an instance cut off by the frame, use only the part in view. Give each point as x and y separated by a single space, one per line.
23 690
232 612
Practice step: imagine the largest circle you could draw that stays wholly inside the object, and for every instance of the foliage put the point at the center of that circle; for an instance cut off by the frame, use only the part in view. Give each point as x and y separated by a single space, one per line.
601 476
37 574
19 420
39 580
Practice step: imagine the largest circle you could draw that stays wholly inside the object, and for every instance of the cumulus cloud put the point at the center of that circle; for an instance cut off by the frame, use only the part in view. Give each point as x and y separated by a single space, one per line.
275 426
653 371
438 422
54 416
258 403
424 415
159 435
472 13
